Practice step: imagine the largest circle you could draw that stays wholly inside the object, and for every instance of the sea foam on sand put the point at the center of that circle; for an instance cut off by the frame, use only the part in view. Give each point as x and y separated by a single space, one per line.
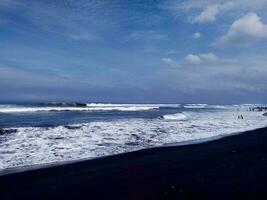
40 145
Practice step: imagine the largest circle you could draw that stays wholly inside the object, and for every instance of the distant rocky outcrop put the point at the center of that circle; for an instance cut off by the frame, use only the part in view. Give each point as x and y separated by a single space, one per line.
64 104
71 127
262 108
80 104
7 131
259 108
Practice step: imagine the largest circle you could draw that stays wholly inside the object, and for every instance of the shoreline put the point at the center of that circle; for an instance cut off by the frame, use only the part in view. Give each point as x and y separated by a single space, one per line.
233 167
15 170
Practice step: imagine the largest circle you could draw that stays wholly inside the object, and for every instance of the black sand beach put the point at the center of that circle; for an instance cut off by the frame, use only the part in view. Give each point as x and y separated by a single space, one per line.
234 167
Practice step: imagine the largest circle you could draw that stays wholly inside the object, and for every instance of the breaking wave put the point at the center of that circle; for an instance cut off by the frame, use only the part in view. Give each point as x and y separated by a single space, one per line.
195 106
176 116
96 108
79 107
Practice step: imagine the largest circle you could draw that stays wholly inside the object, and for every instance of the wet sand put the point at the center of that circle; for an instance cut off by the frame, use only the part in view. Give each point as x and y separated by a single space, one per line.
234 167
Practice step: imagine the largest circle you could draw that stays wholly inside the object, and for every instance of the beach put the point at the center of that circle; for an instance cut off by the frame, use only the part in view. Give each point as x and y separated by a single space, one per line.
133 99
233 167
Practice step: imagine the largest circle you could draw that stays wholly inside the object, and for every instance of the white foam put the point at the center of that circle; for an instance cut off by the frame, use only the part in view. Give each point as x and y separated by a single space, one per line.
128 105
176 116
98 108
89 107
37 145
219 106
195 106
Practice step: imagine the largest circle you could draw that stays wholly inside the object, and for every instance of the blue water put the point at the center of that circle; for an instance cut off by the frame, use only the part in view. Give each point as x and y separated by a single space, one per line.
33 134
56 118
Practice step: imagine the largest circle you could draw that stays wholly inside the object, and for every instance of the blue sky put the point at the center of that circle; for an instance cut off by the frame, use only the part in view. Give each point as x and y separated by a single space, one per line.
212 51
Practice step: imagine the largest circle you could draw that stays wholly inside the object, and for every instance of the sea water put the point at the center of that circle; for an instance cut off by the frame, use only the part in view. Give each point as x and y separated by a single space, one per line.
49 133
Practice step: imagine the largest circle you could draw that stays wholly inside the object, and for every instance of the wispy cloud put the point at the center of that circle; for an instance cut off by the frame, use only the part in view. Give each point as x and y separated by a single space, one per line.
82 36
119 43
77 20
144 35
231 73
210 13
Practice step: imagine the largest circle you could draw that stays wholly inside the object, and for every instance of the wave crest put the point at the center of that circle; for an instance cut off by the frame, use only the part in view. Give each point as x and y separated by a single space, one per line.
176 116
195 106
48 109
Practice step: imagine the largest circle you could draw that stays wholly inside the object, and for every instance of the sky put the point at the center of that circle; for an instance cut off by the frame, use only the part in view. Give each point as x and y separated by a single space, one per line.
149 51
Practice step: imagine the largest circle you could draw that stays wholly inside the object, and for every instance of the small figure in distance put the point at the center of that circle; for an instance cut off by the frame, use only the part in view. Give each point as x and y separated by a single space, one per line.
240 117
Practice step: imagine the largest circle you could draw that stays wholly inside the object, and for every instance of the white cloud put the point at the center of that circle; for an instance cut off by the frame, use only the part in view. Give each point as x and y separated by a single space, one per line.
209 14
168 61
200 58
197 35
245 30
193 59
204 11
210 57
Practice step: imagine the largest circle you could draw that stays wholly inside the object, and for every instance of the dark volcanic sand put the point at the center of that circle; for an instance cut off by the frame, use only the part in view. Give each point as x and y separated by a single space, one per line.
230 168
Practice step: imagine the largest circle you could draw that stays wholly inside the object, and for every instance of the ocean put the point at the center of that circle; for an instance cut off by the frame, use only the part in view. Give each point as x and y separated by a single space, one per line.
37 134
